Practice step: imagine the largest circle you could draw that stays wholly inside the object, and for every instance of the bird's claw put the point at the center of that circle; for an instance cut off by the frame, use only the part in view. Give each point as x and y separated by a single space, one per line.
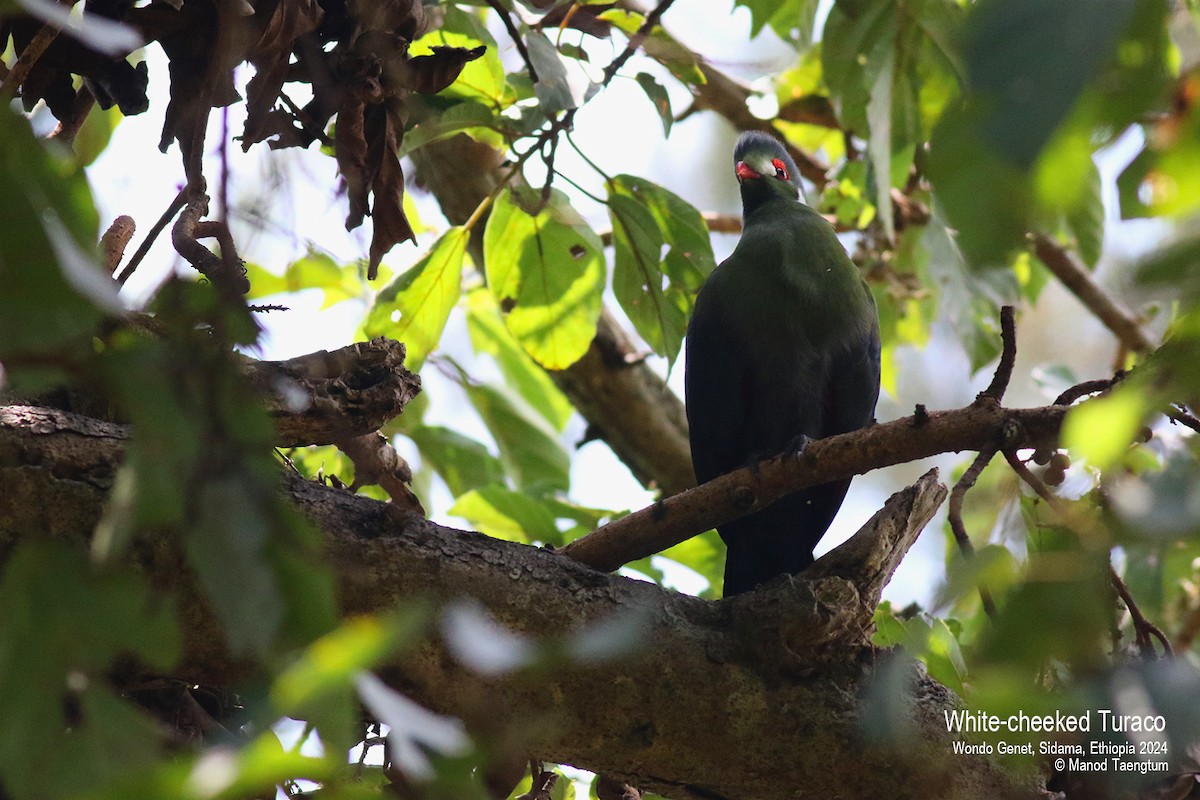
798 445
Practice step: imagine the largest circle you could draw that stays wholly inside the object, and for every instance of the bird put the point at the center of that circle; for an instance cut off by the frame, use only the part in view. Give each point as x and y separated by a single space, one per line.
782 348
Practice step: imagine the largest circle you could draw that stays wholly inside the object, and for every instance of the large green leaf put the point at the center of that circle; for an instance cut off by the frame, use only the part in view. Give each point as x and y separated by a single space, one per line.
545 267
638 279
1028 60
414 308
970 297
656 288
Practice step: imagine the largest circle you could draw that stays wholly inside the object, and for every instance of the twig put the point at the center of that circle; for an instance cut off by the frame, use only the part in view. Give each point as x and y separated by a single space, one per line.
68 129
115 240
225 271
176 206
377 462
1034 482
1143 628
1087 387
28 59
636 40
1008 356
954 513
515 35
1177 413
1075 277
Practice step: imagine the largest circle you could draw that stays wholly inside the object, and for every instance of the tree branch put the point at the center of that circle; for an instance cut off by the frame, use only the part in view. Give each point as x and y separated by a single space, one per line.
332 396
1076 278
666 523
792 658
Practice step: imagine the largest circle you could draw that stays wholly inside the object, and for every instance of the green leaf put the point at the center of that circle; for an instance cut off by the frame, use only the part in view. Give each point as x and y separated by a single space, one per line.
655 290
1101 430
970 298
561 84
1086 220
227 549
481 79
505 514
95 134
315 270
529 448
792 20
65 622
490 335
458 118
638 281
546 269
319 685
879 145
463 463
658 96
52 288
414 308
852 53
1028 61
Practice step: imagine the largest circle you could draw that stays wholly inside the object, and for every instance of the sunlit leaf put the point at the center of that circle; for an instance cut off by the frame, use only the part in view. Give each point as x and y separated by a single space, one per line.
414 308
1100 430
546 269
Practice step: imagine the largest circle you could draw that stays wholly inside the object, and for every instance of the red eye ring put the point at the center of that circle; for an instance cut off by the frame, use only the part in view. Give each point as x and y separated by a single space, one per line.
780 169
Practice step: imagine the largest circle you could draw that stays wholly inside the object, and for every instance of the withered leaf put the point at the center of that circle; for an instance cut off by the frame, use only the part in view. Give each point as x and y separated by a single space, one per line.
391 226
286 22
432 73
366 140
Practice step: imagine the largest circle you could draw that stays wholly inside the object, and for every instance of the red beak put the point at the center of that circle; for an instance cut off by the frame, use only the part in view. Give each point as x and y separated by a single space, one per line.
744 172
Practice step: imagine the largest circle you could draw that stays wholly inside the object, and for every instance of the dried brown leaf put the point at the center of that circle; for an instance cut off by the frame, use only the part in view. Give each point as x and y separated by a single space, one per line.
432 73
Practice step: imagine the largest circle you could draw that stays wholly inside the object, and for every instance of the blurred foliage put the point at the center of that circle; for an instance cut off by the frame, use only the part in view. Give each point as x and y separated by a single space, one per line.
949 131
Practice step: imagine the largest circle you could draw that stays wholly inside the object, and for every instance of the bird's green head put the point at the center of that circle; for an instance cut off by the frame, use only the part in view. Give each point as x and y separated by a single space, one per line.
764 170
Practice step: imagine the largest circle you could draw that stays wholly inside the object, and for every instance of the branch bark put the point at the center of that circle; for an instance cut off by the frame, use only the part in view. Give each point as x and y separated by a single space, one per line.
793 658
334 395
1074 275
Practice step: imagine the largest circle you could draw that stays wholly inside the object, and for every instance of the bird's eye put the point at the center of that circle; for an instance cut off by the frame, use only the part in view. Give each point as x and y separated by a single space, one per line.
780 169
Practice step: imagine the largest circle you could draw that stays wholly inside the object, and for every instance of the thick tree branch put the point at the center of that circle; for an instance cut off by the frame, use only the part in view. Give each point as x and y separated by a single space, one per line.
334 395
792 658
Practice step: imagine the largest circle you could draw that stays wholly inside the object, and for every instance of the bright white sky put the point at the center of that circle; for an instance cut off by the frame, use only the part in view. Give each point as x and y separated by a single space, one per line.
294 193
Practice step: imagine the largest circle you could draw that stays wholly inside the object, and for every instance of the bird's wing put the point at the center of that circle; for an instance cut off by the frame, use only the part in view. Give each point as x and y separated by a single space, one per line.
854 381
714 381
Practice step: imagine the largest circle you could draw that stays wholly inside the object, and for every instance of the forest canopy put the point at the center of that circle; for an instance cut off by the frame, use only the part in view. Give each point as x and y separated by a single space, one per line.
219 574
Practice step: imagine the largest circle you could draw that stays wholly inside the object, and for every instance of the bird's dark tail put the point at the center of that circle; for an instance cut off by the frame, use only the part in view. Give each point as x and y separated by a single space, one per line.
779 539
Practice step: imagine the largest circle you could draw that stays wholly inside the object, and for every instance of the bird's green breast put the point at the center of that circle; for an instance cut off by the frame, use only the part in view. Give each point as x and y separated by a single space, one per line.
790 277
